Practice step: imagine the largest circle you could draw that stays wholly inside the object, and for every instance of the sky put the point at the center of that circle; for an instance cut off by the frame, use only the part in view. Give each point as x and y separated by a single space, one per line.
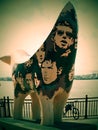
25 24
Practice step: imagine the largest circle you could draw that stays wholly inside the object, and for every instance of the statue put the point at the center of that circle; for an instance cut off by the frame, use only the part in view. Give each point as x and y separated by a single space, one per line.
48 75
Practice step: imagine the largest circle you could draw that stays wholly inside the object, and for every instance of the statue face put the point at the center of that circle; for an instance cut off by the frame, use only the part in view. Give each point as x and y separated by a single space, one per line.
40 54
71 73
29 79
63 37
19 79
49 71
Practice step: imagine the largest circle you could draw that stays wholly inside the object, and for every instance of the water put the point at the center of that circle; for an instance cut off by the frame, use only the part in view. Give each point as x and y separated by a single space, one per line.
6 89
84 87
79 89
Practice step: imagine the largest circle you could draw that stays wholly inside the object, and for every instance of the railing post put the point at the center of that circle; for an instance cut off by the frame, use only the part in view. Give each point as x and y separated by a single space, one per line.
4 106
8 106
86 102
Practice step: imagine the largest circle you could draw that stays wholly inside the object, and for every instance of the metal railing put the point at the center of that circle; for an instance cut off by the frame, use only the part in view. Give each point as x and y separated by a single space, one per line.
87 107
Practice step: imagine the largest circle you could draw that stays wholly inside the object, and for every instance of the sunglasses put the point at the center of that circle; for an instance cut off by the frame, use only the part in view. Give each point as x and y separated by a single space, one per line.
68 34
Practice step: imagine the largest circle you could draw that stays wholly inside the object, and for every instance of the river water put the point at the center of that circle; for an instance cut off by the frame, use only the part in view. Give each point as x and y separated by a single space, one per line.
79 89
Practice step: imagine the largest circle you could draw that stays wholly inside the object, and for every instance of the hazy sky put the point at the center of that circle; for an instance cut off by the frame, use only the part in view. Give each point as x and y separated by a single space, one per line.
25 24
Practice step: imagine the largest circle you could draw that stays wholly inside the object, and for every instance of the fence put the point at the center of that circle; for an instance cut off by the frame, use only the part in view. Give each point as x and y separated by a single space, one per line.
87 107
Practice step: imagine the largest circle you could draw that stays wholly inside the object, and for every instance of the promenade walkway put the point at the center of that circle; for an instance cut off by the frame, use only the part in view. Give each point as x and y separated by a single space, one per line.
83 121
12 124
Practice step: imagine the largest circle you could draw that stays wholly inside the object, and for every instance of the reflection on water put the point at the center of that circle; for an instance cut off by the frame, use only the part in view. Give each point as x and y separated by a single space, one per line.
79 89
